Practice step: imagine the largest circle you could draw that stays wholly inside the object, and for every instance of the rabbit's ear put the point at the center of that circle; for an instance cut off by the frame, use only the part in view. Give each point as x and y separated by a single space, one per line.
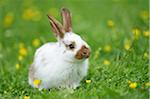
66 19
56 27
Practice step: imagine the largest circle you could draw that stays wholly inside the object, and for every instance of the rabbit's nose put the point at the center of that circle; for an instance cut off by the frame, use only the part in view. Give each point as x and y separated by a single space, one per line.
84 52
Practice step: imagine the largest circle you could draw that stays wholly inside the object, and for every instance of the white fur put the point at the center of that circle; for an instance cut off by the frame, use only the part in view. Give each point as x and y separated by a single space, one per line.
57 66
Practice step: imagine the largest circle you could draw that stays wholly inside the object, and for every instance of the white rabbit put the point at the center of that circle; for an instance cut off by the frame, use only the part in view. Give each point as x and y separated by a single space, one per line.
61 64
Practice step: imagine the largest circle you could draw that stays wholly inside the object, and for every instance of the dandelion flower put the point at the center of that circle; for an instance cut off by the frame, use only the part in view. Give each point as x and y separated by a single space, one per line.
133 85
88 81
36 42
37 82
8 20
26 97
23 51
136 33
107 48
146 33
110 23
106 62
17 66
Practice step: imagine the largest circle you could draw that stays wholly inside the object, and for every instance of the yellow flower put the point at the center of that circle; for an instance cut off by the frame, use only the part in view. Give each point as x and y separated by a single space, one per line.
136 33
127 44
146 33
53 11
26 97
144 15
147 84
37 82
110 23
23 51
106 62
107 48
20 57
31 14
36 42
17 66
145 55
88 81
8 20
133 85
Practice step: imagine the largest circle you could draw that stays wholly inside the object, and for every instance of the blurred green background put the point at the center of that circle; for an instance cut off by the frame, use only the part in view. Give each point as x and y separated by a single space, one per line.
116 30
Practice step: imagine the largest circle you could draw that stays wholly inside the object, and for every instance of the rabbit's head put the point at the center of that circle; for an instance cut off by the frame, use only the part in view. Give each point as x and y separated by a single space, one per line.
74 46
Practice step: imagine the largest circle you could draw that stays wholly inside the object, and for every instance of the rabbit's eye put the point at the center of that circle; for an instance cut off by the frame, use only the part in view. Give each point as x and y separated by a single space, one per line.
71 46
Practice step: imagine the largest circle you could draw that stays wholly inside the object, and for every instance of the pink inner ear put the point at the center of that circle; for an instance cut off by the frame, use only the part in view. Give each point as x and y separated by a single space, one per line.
66 19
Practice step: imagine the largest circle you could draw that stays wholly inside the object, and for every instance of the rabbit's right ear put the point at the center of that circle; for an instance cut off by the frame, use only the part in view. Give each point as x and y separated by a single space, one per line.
56 27
66 16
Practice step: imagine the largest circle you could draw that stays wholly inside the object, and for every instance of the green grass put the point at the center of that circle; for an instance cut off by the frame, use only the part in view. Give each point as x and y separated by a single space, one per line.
90 21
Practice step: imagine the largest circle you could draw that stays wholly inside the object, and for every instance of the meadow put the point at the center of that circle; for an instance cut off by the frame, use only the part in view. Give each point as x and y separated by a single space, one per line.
116 30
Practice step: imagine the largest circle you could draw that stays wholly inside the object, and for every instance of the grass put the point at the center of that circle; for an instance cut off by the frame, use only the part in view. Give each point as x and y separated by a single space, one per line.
113 28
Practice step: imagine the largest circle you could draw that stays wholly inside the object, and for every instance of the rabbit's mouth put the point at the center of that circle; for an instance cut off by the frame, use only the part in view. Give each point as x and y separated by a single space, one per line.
83 53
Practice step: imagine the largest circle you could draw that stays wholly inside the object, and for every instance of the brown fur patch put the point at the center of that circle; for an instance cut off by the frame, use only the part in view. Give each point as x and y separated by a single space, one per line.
84 52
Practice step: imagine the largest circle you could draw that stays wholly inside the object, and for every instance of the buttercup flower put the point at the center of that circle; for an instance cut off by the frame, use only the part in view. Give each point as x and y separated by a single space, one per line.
8 20
107 48
127 44
146 33
26 97
136 33
88 81
110 23
36 42
106 62
23 51
133 85
37 82
31 14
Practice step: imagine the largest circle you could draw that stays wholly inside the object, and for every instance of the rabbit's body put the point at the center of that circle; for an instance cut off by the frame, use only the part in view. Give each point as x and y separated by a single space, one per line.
61 64
54 73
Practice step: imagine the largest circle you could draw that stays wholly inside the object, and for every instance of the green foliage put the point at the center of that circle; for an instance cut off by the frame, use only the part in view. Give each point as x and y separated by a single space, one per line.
119 55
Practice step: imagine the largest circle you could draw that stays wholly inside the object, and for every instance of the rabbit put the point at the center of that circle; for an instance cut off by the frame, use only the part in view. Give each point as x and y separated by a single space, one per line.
61 64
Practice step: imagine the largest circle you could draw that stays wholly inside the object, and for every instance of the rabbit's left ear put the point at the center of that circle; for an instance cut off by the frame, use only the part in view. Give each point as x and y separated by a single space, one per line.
56 27
66 17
